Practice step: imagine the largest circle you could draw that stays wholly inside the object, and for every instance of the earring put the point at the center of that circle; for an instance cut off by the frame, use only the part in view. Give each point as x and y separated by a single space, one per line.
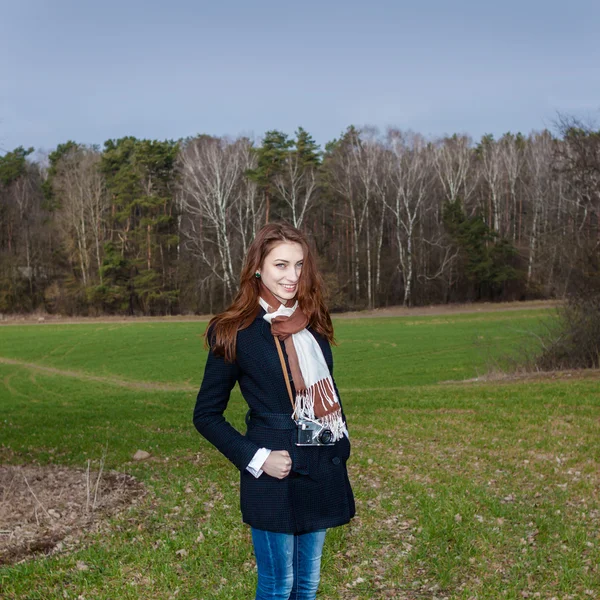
257 275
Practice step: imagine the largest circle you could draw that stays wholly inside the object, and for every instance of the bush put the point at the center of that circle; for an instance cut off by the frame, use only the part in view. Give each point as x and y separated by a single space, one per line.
574 341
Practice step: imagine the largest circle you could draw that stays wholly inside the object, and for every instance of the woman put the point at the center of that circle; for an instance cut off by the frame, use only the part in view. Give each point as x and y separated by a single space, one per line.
274 340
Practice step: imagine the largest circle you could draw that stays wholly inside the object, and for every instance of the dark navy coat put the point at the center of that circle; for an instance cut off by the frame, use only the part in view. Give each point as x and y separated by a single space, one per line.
317 493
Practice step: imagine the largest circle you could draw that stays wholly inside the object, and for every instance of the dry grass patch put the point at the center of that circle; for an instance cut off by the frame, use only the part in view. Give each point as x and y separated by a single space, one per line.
46 509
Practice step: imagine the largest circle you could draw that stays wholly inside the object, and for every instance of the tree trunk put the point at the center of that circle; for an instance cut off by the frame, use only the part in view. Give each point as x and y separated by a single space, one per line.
369 278
148 247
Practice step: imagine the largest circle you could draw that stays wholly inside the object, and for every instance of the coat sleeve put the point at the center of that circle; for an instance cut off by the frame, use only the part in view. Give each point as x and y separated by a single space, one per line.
211 402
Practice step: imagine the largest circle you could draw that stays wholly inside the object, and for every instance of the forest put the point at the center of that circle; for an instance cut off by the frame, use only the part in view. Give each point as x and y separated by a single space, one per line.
150 227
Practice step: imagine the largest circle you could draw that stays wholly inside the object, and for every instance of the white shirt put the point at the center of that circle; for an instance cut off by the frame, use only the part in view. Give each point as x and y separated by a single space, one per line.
258 461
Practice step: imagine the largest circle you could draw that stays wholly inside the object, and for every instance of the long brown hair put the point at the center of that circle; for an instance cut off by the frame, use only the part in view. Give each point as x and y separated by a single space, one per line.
245 306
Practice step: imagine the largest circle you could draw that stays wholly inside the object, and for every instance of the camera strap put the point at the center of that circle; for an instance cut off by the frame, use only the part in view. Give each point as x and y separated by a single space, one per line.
285 373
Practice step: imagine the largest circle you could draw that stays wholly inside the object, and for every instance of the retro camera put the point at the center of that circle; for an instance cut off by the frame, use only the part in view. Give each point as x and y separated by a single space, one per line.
311 433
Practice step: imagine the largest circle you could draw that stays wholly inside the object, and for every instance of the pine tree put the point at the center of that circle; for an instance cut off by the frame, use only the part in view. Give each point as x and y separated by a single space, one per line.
140 176
271 156
488 262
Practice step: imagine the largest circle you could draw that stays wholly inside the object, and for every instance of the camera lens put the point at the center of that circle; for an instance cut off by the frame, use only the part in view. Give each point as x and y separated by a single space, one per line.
325 436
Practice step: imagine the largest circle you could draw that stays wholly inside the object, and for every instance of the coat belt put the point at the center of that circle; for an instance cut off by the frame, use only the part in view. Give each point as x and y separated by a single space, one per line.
271 420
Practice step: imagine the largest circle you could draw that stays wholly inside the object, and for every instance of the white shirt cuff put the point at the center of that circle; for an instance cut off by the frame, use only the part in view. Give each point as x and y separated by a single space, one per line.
258 461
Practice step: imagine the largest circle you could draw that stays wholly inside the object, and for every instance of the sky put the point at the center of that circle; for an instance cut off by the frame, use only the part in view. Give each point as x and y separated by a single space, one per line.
91 71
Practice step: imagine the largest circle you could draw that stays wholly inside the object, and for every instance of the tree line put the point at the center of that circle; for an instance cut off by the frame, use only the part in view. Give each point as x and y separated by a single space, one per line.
161 227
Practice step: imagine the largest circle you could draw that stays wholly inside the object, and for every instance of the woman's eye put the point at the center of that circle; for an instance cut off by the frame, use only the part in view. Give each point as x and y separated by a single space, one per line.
280 265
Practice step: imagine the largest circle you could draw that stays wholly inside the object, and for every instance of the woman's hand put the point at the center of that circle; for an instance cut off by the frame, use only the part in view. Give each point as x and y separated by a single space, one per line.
278 464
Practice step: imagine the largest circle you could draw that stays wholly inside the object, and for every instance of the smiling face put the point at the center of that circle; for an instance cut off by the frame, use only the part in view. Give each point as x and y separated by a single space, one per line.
281 269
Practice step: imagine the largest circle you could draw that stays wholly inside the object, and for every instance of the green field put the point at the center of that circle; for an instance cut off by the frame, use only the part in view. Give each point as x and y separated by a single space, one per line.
463 489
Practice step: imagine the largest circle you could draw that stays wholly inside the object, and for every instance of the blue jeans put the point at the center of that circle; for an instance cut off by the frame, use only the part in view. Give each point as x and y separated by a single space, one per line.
289 566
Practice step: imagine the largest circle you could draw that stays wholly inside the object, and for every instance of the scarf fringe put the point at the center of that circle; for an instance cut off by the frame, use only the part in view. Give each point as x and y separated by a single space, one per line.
305 407
335 422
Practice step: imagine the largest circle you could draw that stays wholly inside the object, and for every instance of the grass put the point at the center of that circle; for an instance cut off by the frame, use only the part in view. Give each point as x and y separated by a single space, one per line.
464 490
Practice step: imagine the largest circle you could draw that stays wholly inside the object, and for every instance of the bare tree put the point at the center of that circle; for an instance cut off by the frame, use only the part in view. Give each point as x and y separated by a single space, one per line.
491 170
23 194
453 158
539 162
511 153
249 213
212 188
296 184
83 203
370 179
383 190
577 162
580 158
351 168
412 179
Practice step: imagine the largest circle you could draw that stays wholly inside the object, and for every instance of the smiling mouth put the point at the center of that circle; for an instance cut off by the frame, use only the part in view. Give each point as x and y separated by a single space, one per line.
289 288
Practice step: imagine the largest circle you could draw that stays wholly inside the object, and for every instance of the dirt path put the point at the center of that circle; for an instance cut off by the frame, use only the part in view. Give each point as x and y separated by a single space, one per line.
116 381
391 311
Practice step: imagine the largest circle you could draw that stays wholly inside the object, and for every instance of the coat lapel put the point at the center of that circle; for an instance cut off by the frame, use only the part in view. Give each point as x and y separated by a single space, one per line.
265 328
